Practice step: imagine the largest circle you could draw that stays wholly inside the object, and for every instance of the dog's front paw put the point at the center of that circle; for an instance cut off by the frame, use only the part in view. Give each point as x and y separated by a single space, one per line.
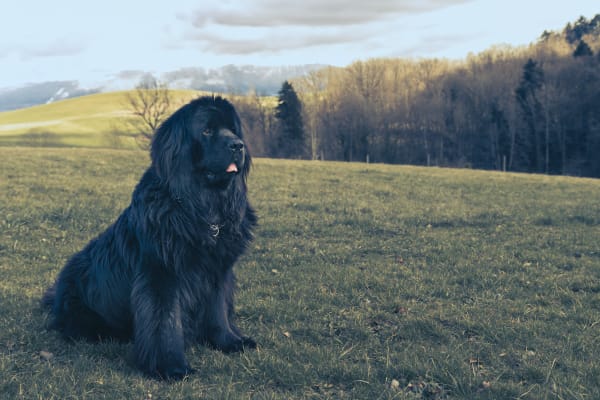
235 345
248 342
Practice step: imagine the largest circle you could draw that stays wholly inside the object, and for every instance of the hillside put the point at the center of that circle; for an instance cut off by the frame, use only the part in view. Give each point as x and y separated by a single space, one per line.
97 120
364 281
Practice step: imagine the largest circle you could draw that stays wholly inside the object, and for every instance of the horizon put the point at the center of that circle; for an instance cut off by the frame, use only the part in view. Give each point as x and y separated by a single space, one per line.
69 41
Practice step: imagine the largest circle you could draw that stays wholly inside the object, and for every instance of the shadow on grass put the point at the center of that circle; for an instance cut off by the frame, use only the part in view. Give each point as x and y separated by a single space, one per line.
114 139
35 138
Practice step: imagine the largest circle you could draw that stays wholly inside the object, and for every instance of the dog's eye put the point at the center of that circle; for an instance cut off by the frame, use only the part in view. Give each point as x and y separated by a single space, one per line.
207 132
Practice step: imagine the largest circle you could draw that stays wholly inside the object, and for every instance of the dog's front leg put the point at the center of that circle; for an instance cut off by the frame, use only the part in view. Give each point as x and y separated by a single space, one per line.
223 334
158 332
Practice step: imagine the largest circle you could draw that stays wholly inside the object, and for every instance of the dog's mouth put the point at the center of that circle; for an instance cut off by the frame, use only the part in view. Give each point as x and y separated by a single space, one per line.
232 169
222 176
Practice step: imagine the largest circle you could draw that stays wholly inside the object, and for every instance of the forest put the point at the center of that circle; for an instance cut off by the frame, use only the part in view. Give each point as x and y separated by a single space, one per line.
533 108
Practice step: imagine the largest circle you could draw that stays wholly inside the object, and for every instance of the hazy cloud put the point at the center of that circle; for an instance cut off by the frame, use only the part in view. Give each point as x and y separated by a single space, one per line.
130 74
54 48
433 44
58 48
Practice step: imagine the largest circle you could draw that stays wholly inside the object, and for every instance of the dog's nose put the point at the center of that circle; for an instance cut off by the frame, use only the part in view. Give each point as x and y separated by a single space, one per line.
236 145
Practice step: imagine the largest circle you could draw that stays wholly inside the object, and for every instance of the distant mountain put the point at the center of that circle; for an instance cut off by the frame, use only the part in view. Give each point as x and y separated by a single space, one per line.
40 93
235 79
228 79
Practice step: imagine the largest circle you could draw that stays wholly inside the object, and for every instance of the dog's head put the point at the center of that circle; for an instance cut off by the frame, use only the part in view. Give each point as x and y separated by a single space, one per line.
201 143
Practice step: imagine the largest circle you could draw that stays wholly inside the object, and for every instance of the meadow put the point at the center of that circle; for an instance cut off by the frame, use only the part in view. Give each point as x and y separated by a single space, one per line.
100 120
364 281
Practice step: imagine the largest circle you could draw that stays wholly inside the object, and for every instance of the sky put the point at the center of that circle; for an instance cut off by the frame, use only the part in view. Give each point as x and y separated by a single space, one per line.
94 41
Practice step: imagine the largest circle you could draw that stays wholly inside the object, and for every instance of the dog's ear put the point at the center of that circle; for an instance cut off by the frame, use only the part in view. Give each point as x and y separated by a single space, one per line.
247 163
170 146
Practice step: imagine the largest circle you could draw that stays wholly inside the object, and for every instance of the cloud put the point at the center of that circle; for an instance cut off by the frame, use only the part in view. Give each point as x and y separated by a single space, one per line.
235 27
310 13
266 41
130 74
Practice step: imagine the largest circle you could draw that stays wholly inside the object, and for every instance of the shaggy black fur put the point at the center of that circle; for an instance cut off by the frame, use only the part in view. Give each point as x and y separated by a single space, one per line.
162 273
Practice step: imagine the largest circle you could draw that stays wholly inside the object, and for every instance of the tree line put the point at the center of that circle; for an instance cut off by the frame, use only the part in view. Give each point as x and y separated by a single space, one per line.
530 109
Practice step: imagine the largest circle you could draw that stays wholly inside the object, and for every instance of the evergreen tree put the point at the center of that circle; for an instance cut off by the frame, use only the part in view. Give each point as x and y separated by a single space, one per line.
290 128
528 98
583 49
574 32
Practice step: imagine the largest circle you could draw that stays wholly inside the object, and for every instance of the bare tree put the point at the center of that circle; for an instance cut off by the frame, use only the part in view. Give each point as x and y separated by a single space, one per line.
151 102
311 89
256 120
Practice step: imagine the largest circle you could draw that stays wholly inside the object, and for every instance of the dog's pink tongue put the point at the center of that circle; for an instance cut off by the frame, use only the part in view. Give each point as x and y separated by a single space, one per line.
232 168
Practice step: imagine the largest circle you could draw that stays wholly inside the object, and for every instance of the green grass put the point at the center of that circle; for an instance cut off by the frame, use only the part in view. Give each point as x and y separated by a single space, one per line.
98 120
365 281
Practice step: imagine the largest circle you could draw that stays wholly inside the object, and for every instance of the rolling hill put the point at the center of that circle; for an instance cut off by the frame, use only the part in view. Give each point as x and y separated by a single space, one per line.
97 120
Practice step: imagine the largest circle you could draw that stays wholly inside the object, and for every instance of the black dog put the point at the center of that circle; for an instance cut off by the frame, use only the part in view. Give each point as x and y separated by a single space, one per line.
162 273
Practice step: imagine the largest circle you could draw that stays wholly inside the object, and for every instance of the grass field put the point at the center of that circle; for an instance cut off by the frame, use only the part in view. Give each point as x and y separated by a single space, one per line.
365 282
